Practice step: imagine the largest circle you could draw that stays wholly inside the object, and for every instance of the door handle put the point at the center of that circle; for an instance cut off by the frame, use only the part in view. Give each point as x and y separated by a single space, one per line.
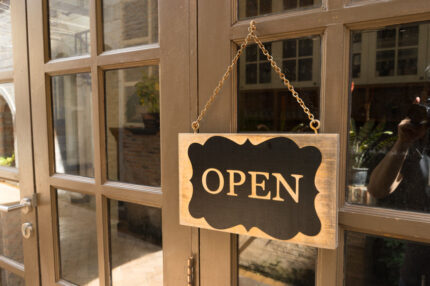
27 230
26 204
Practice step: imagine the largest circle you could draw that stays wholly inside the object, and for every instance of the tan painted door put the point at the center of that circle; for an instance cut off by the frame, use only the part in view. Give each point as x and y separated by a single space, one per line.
19 260
111 90
346 60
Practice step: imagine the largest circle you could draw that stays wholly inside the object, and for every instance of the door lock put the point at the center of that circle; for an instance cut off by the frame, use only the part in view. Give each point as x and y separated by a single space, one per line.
27 230
26 204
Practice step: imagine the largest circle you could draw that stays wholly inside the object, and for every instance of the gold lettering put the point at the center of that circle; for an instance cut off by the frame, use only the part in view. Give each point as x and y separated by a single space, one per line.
280 179
221 181
262 184
233 183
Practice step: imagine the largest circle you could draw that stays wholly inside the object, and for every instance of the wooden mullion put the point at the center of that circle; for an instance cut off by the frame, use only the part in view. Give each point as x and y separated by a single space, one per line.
68 66
386 222
371 15
12 266
139 196
6 76
73 183
96 38
130 57
11 174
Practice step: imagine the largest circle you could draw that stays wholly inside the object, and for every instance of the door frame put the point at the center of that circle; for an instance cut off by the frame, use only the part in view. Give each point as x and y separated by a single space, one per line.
24 173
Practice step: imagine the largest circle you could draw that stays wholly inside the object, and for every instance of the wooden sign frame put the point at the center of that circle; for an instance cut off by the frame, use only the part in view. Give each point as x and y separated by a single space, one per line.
326 183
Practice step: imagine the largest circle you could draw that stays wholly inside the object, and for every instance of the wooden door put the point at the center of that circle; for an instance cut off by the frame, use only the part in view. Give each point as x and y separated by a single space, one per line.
326 48
111 85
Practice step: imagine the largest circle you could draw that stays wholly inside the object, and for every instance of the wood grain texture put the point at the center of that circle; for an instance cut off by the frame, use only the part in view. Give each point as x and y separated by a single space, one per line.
326 182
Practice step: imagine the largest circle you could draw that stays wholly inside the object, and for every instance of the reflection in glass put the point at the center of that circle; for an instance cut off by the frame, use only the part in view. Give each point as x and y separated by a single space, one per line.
129 23
267 106
9 279
7 125
10 223
133 125
266 262
69 28
6 53
378 261
136 244
264 103
255 8
77 229
388 168
72 120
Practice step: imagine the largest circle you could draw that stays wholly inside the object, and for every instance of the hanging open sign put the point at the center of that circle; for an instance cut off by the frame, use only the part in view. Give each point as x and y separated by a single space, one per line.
273 186
280 187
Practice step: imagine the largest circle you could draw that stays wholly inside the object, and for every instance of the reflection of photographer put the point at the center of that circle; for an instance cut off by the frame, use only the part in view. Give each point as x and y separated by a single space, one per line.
387 176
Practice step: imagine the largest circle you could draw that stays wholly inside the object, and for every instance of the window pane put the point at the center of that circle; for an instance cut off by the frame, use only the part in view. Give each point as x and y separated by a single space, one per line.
133 125
6 54
289 49
289 69
271 107
407 61
10 223
7 125
389 135
266 262
305 47
255 8
72 120
77 229
385 63
136 244
129 23
69 28
379 261
9 279
251 53
386 38
408 35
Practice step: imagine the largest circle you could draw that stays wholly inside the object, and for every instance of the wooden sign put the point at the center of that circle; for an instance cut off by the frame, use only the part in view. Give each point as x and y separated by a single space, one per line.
281 187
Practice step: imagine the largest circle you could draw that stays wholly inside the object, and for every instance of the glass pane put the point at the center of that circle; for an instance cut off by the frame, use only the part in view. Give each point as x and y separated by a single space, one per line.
386 38
7 125
265 262
77 229
389 154
129 23
6 54
255 8
251 53
10 223
271 107
408 35
407 61
379 261
385 63
9 279
305 47
289 49
136 244
69 28
72 120
133 125
289 69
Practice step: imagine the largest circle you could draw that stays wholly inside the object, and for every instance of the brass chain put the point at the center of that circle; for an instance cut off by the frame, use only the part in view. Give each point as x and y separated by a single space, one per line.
314 124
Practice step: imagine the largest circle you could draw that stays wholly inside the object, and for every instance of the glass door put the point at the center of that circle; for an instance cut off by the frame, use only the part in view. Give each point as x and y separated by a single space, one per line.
108 103
19 260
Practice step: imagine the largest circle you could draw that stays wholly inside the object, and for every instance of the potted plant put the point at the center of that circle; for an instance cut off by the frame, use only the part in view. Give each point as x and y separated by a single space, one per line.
364 144
147 89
